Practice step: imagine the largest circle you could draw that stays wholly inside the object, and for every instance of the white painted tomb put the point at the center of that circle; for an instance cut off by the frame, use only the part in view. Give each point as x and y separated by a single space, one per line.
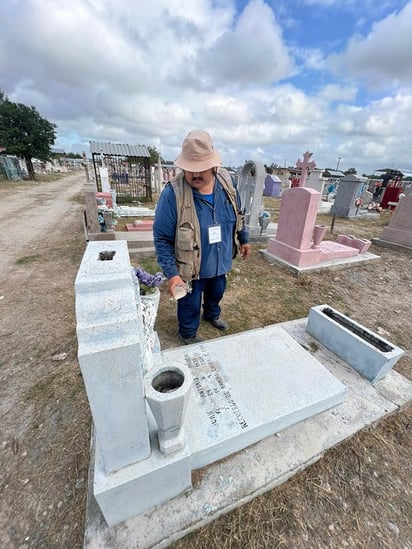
244 389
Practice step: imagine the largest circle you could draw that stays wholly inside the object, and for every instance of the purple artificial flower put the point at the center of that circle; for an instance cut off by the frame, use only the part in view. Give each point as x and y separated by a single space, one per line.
147 279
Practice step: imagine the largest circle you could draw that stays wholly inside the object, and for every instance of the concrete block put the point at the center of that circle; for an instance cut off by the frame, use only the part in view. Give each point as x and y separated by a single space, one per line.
368 353
138 488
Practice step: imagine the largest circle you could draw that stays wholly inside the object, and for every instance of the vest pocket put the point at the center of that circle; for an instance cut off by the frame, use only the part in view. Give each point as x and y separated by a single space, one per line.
186 271
186 237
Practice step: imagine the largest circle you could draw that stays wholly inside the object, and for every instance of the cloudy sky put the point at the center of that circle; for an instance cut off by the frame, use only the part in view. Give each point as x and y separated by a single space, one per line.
269 79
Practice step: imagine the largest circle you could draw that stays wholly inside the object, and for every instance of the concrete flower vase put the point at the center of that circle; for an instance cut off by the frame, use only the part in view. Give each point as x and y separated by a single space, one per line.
168 389
319 232
362 244
365 351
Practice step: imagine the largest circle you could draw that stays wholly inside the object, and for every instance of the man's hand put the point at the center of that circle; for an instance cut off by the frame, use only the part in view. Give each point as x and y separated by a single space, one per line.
173 282
244 251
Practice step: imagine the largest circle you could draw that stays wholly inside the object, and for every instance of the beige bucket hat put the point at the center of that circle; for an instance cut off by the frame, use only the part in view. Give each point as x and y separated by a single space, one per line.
198 153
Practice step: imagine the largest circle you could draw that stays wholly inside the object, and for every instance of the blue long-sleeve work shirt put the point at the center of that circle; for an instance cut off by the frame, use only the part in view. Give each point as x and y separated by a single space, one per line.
216 259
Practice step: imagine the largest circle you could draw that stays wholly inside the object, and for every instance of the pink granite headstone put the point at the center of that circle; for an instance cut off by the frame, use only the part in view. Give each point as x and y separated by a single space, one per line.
297 217
399 230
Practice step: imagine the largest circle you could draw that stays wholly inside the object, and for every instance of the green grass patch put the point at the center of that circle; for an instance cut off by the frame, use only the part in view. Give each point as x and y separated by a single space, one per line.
27 260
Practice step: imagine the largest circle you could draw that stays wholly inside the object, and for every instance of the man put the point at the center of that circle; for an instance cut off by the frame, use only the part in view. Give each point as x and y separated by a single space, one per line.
198 229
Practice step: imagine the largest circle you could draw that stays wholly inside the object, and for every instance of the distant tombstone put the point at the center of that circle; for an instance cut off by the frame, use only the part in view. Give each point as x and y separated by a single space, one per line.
294 236
349 190
315 180
104 174
272 186
104 178
366 197
251 192
399 230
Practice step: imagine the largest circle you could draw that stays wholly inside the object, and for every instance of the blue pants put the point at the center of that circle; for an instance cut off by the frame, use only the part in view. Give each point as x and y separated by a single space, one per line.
188 308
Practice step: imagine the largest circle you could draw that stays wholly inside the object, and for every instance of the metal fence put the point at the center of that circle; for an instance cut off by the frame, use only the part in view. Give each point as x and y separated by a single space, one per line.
10 168
128 169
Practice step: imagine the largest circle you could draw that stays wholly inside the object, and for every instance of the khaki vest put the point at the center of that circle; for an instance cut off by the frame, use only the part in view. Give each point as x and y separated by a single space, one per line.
187 240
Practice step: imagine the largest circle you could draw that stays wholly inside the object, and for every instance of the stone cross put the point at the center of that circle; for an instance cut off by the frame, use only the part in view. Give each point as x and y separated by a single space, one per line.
305 165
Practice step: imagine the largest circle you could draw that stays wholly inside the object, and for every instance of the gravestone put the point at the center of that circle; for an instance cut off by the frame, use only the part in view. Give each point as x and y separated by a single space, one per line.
92 225
349 191
316 181
299 241
399 230
92 228
250 189
244 388
273 186
104 178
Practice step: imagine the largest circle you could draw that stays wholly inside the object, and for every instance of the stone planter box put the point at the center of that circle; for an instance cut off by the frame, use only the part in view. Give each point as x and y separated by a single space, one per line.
366 352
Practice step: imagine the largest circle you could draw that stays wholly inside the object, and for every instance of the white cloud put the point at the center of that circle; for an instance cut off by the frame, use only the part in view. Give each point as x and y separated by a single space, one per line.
334 92
382 59
252 53
134 71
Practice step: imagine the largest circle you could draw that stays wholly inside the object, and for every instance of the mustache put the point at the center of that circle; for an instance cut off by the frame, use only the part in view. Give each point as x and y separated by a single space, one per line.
199 178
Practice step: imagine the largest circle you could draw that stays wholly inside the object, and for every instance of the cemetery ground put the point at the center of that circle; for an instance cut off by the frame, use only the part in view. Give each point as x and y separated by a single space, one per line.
360 493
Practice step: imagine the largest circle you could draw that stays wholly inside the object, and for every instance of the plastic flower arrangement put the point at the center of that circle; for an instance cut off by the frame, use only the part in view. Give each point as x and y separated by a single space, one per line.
101 209
148 282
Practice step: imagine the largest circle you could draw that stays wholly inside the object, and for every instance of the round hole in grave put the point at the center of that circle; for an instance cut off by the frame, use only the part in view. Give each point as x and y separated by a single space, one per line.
107 255
167 381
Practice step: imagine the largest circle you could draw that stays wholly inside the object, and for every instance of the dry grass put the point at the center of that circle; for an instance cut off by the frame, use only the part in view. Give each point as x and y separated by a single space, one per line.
358 495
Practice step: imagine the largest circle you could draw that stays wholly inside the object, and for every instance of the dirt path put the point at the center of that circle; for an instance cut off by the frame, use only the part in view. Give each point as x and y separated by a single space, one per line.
31 211
40 384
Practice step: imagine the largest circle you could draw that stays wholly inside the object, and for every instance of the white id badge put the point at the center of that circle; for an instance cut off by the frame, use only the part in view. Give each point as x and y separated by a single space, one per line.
215 234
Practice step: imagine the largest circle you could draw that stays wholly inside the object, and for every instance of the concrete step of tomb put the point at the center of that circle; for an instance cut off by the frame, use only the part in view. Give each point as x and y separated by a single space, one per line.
139 243
147 251
136 239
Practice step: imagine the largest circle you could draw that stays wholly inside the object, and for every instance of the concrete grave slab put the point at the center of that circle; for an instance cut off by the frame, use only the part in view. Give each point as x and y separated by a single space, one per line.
134 211
243 396
323 265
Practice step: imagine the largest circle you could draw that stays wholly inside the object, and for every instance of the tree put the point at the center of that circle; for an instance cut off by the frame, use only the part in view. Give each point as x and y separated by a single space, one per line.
350 171
154 155
25 133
